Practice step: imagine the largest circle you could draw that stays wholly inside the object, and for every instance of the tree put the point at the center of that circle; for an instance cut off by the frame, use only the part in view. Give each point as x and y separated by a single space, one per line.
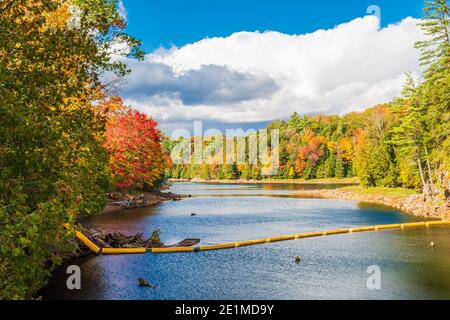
309 155
136 157
407 135
330 165
436 47
255 172
298 123
372 164
53 168
245 171
340 168
424 123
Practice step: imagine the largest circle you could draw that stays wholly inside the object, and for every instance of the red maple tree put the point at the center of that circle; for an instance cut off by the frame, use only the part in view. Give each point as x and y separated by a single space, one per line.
134 143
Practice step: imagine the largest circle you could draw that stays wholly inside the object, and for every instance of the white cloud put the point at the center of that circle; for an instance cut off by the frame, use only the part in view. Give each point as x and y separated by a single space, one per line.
122 10
256 77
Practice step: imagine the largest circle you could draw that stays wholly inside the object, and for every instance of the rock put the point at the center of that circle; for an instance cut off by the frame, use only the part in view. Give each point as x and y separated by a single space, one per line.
144 283
193 214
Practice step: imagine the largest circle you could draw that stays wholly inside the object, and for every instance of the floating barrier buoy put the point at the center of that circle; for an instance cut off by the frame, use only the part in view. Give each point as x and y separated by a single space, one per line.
108 251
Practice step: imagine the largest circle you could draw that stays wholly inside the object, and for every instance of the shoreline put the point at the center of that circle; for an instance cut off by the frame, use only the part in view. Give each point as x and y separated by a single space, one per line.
400 199
414 204
118 201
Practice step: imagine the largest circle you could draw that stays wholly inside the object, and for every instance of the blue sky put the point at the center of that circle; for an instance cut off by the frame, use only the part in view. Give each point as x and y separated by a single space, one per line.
179 22
241 64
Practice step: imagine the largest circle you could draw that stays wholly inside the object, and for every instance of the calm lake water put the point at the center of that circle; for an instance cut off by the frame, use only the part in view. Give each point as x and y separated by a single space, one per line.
333 267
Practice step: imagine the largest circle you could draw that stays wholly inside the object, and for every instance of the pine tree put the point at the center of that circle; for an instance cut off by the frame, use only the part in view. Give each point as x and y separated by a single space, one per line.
340 168
408 135
330 166
436 48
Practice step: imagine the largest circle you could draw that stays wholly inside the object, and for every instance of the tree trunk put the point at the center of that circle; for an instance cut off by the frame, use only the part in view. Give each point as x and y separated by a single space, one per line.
430 174
431 178
424 186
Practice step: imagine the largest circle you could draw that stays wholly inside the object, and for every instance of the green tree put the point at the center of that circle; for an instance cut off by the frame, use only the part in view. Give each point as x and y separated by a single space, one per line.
436 47
298 123
330 165
372 164
204 171
255 172
424 129
407 135
340 168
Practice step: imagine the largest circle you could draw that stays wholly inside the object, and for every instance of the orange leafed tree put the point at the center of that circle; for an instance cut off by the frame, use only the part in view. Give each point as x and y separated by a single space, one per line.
134 143
346 149
312 150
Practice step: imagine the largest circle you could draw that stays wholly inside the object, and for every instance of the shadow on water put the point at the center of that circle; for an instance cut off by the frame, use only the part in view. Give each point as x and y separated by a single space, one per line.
331 267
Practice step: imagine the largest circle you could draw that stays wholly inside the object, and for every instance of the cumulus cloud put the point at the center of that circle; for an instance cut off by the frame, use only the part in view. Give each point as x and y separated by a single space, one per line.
253 77
122 10
207 85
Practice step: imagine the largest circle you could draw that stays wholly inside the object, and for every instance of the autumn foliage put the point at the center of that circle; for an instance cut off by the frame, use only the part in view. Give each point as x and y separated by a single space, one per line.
53 167
136 157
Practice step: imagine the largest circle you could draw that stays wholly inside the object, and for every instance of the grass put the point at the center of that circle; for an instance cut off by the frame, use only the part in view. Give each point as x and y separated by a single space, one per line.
392 192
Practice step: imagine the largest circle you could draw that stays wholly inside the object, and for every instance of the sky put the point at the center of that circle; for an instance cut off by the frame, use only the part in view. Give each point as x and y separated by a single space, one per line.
241 64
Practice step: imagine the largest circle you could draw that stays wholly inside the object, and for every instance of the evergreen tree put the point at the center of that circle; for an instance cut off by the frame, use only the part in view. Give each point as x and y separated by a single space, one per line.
436 47
330 165
340 168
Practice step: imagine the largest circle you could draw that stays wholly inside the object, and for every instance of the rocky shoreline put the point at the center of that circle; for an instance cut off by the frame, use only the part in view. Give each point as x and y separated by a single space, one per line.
414 205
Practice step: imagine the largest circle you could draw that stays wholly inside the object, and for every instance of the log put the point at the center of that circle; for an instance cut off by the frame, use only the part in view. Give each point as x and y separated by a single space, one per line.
186 243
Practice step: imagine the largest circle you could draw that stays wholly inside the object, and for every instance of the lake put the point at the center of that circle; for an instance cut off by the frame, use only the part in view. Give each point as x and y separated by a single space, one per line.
332 267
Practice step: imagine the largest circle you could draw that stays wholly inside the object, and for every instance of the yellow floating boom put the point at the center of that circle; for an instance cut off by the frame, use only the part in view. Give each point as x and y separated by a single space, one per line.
172 249
301 236
85 240
109 251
